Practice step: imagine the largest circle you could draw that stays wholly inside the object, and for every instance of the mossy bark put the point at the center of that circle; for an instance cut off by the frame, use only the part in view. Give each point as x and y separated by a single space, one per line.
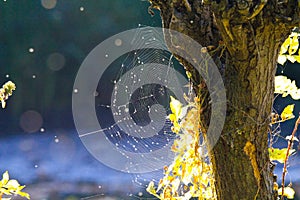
250 34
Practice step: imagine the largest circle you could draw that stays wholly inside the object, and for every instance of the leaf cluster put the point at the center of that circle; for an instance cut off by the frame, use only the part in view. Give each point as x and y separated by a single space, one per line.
190 174
289 50
11 187
6 91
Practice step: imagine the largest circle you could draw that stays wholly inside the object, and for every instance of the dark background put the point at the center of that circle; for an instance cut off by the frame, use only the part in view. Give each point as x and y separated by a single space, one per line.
64 30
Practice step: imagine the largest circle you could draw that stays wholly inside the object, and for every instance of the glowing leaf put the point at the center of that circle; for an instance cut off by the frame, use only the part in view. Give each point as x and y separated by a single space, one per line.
295 94
291 58
6 91
285 46
288 192
287 112
23 194
175 106
12 184
297 58
189 175
175 185
172 117
294 44
10 187
281 59
279 154
275 186
188 74
9 87
5 178
289 48
286 87
151 189
281 84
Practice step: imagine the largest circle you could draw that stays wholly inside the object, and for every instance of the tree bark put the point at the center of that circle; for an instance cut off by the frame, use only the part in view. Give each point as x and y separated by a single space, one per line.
252 32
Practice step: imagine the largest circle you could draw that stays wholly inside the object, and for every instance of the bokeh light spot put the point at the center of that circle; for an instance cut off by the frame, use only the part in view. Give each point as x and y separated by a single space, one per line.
55 61
31 121
26 145
49 4
118 42
31 50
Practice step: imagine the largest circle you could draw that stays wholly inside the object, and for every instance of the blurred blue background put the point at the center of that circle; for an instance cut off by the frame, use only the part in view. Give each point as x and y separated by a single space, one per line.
42 45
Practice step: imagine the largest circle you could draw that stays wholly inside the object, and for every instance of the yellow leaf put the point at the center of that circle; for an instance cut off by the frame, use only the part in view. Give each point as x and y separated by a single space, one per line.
12 184
175 185
285 87
288 192
282 84
291 58
172 117
294 44
295 94
5 178
275 186
279 154
281 59
151 189
188 74
285 46
297 58
9 86
3 103
208 193
175 106
287 112
176 127
23 194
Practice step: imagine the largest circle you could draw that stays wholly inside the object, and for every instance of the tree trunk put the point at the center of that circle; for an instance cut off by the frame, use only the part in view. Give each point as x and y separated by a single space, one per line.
252 32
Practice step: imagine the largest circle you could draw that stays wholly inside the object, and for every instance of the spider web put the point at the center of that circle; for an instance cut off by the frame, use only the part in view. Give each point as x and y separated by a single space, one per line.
132 101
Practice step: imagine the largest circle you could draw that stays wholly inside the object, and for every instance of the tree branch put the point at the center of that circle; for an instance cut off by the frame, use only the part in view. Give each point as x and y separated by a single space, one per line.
290 145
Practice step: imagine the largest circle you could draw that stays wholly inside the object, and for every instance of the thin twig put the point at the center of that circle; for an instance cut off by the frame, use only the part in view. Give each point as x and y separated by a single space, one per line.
290 144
